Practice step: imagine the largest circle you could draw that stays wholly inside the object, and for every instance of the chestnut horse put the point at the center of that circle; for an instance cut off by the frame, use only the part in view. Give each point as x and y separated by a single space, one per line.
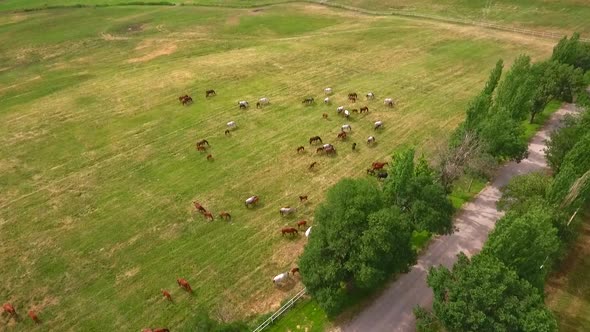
184 284
199 207
34 317
342 135
300 149
167 295
289 231
201 148
302 198
225 215
294 270
9 308
352 97
208 215
364 109
301 223
378 165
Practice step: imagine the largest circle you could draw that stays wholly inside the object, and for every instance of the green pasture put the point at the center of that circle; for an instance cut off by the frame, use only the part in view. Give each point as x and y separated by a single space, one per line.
98 167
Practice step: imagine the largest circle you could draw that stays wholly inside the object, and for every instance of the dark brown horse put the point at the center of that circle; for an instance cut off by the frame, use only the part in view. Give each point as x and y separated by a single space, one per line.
201 148
185 100
210 93
300 149
352 97
302 198
312 165
225 215
210 157
365 109
315 139
202 142
289 231
353 146
325 116
184 284
308 101
318 150
354 110
342 135
301 223
227 132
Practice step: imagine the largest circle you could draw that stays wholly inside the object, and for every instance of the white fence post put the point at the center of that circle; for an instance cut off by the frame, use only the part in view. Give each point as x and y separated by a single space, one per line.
281 310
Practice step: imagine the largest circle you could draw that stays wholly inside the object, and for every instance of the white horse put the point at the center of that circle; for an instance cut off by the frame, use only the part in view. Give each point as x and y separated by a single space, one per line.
388 102
251 200
346 126
346 114
243 104
231 125
370 95
328 91
307 232
371 140
340 109
327 100
262 101
285 211
378 124
279 279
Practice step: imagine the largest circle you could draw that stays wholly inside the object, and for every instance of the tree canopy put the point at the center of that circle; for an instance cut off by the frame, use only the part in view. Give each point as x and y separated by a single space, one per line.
484 295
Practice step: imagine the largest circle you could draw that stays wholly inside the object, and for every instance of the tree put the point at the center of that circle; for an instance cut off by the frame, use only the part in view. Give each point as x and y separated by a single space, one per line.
516 90
525 242
414 189
356 243
522 190
504 137
563 140
478 107
572 51
484 295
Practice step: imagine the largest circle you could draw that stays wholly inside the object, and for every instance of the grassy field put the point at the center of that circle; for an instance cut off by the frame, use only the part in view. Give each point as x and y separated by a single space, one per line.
97 161
563 16
568 290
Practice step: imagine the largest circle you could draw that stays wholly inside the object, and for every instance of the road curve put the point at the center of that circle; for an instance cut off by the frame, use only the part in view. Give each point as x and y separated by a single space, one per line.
393 309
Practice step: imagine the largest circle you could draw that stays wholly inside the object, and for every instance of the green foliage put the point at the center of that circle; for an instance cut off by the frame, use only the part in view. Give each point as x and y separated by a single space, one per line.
516 90
355 244
201 322
527 243
478 107
415 191
575 163
426 321
484 295
504 136
573 52
564 139
522 190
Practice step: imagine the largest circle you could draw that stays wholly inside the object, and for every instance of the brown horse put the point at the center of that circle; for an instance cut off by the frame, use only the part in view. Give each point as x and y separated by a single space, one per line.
209 157
185 100
352 97
318 150
300 149
201 148
325 116
301 223
184 284
302 198
342 135
208 215
365 109
202 142
210 93
294 270
167 295
227 132
9 308
315 139
378 165
353 146
312 165
289 231
156 330
308 101
199 207
34 317
225 215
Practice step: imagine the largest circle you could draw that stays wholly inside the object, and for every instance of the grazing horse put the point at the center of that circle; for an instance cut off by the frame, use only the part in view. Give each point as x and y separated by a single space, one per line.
365 109
371 140
199 207
242 104
280 278
329 148
327 100
210 157
315 139
328 91
352 97
202 142
294 270
370 95
353 146
262 101
378 124
302 198
301 223
285 211
342 135
251 201
9 308
231 125
34 317
346 126
340 109
225 215
289 231
167 295
325 116
227 132
300 149
346 114
185 100
201 148
312 165
210 93
378 165
308 101
208 215
184 284
318 150
388 102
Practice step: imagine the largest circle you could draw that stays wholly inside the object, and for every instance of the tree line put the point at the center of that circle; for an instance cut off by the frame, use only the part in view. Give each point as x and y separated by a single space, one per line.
501 288
362 231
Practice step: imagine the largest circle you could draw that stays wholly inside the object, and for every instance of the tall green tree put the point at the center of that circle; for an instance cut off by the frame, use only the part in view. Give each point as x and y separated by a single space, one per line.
504 137
484 295
575 163
515 91
525 242
573 52
563 140
523 190
479 107
356 244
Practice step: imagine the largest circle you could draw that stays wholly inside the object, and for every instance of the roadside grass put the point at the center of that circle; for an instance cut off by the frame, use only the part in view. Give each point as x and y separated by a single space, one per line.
568 288
98 167
465 189
540 119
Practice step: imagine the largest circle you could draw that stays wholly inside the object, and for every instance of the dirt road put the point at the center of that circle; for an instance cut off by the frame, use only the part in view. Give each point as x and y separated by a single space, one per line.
392 310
